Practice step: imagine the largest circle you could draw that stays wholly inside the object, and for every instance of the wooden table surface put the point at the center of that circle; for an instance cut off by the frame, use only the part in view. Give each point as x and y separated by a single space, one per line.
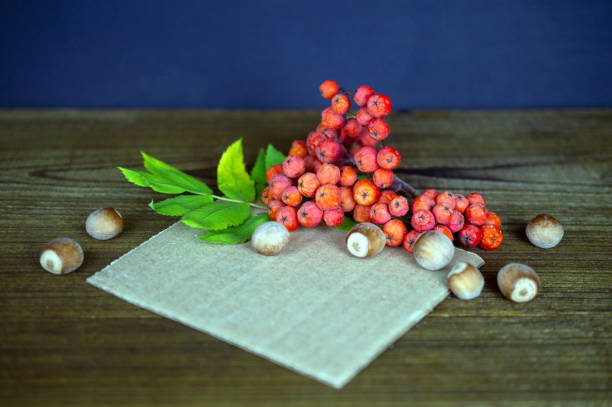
64 342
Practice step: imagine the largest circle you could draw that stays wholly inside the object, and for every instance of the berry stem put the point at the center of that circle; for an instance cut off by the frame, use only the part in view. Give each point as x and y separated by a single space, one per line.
348 92
226 199
400 184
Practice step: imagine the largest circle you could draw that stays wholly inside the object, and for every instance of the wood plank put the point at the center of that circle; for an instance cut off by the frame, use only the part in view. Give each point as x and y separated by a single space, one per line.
64 342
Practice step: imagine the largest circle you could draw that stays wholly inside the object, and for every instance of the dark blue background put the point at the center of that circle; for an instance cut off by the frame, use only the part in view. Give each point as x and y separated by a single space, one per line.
251 54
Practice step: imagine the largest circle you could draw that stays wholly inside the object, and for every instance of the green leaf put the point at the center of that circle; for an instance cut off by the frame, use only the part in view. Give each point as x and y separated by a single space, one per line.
258 173
232 178
135 177
217 215
180 205
347 223
160 184
169 176
273 156
236 234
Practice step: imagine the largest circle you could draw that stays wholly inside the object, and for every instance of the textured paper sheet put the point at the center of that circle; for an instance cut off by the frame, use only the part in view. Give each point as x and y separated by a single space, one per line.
314 308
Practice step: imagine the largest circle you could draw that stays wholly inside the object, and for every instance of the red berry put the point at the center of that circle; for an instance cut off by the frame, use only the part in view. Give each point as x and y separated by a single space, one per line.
395 230
328 89
447 198
422 202
379 214
378 129
456 221
398 206
293 166
310 214
316 164
347 203
274 206
327 132
470 236
362 94
365 192
367 140
363 116
278 185
352 128
423 220
382 178
328 174
287 216
379 105
291 196
365 159
333 217
442 213
410 239
445 231
340 103
308 162
308 184
476 214
328 151
313 140
387 196
328 197
432 193
476 198
331 119
462 203
273 171
361 213
388 158
494 220
348 176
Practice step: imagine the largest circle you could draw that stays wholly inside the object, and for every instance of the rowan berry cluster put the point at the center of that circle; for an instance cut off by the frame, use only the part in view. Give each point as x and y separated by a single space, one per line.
453 214
340 168
344 169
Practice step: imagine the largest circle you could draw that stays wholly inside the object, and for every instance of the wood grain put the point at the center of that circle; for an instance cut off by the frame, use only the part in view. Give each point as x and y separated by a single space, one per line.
63 342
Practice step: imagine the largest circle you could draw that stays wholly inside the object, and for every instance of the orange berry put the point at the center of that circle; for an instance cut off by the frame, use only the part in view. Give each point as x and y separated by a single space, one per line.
494 220
443 213
287 216
291 196
447 198
395 230
313 140
274 206
333 217
462 203
383 178
266 197
340 103
445 231
273 171
361 213
476 198
379 214
432 193
278 185
409 240
347 203
365 193
328 197
492 237
348 176
329 88
387 196
476 214
328 174
308 184
299 148
422 203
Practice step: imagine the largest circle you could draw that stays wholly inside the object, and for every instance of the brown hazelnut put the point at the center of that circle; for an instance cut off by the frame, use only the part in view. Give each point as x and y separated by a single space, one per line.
544 231
61 256
104 223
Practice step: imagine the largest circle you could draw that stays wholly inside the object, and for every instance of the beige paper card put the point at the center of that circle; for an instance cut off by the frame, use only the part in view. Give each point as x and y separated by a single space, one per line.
313 308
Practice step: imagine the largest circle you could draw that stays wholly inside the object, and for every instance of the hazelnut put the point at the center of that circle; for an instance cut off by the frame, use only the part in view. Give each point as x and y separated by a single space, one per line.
544 231
465 281
433 250
518 282
61 256
270 238
104 223
365 240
